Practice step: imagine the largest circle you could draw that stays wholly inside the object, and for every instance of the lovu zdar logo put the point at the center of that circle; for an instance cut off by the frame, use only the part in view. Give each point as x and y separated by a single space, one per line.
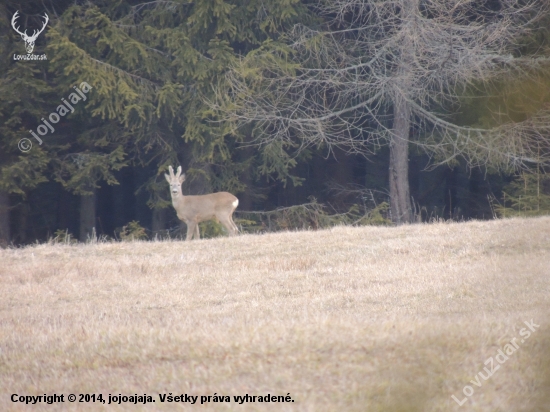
29 40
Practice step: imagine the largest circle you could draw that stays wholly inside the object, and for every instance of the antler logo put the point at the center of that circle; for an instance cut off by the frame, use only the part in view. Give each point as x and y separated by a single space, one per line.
29 40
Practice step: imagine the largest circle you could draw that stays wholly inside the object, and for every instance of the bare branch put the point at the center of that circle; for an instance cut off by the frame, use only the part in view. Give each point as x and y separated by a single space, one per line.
339 86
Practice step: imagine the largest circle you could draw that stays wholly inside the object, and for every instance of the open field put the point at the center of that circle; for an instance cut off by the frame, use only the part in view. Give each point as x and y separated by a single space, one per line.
348 319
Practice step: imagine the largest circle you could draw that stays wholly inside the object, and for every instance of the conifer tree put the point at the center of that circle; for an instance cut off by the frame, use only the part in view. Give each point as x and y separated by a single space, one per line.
23 95
151 66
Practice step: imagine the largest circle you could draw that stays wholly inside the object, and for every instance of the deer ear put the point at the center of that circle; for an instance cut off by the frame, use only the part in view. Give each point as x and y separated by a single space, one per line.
167 178
182 178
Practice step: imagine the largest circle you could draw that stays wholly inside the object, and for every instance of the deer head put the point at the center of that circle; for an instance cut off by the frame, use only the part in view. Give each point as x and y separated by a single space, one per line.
29 40
175 181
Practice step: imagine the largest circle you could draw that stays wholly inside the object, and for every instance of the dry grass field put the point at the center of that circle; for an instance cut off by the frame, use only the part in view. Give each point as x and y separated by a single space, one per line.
347 319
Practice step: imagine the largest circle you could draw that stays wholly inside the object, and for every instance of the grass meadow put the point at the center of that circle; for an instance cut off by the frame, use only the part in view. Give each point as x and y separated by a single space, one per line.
346 319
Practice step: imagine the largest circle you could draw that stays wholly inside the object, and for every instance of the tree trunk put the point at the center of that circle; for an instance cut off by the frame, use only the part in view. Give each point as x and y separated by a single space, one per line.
65 211
21 226
400 198
158 225
246 199
4 219
87 216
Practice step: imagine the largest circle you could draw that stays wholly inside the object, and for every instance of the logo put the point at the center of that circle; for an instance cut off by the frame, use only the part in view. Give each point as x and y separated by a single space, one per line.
29 40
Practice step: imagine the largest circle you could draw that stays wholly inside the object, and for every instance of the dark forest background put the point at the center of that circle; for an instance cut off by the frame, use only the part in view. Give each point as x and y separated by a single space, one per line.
152 68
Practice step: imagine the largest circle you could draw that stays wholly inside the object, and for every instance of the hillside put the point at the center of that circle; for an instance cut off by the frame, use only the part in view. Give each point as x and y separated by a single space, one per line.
347 319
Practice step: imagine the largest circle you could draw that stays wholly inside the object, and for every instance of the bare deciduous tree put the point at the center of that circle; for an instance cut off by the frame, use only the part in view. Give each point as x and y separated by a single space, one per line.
381 69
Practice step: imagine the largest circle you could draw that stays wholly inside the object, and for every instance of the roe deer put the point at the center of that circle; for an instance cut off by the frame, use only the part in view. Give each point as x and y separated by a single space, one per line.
195 209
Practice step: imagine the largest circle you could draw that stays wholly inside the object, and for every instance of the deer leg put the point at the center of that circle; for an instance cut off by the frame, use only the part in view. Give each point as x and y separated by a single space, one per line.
197 232
226 222
190 229
235 228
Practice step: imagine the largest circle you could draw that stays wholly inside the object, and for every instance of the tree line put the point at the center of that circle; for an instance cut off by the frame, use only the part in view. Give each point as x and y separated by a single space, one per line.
413 109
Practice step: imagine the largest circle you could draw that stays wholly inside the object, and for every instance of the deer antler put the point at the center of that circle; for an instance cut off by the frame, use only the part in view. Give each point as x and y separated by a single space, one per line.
15 16
35 34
